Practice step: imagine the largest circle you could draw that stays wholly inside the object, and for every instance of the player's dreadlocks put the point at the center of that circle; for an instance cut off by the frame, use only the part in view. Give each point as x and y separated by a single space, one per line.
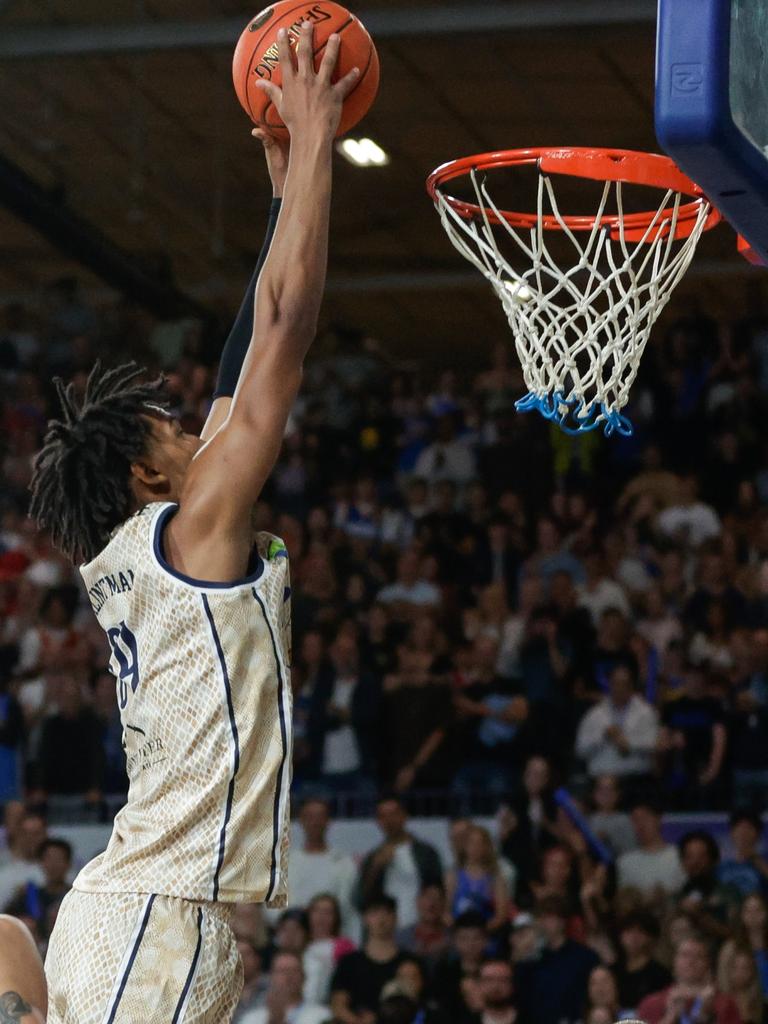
80 485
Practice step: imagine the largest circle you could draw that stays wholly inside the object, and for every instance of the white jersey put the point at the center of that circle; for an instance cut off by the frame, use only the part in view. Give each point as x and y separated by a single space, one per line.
203 686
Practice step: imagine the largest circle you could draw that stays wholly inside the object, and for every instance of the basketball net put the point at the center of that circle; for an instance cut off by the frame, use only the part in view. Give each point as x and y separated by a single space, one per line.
580 331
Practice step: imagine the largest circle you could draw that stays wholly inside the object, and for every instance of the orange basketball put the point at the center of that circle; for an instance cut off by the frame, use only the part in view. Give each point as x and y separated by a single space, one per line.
256 58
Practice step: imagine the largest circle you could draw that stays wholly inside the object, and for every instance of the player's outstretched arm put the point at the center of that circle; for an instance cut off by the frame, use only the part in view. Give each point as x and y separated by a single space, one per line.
209 536
23 998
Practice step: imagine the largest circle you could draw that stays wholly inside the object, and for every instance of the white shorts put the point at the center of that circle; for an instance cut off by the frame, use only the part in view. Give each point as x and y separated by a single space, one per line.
124 958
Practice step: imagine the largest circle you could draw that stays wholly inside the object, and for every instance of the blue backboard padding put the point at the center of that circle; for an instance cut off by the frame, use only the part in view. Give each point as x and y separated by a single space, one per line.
694 123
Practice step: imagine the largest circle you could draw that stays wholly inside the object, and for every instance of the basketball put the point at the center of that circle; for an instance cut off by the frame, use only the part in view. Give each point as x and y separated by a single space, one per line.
256 59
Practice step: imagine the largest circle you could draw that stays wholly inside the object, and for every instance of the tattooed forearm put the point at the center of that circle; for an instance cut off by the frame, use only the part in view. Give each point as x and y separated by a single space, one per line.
13 1008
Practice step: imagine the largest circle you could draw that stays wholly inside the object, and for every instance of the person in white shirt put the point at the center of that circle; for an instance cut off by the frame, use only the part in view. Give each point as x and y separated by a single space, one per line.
410 588
317 868
285 1004
655 866
24 863
600 592
690 519
618 736
448 457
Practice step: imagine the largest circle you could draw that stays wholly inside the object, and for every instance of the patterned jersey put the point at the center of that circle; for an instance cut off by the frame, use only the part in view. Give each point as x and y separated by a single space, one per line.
202 679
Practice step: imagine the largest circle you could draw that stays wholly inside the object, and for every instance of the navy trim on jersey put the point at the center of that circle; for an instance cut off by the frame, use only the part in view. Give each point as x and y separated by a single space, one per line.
284 739
236 738
162 521
192 969
134 953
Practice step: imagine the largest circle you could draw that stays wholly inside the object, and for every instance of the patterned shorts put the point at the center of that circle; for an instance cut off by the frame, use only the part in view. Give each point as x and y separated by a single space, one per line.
116 958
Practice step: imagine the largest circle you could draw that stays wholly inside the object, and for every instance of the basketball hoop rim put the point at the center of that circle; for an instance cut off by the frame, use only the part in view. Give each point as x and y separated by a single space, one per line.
599 164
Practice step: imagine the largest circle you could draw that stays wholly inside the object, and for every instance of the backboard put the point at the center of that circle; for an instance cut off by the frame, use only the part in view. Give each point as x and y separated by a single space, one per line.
712 106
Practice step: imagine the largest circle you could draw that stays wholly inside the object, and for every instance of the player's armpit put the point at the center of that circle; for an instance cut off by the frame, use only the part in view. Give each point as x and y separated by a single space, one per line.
23 998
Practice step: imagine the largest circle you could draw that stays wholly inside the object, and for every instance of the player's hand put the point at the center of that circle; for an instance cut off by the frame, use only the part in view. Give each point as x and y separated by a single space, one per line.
276 152
309 103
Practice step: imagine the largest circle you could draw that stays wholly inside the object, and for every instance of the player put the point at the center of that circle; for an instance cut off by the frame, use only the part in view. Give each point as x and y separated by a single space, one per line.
195 609
22 982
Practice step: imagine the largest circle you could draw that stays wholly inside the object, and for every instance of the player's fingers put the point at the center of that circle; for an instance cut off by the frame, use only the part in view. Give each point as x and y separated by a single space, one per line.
346 84
285 54
274 92
305 49
330 57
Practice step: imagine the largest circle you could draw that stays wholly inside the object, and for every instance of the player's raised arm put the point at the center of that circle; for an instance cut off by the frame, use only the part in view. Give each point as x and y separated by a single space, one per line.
210 534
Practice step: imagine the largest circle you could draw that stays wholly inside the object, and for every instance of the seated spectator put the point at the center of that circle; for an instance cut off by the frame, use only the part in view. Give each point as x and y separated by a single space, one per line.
255 982
12 734
690 520
360 976
552 988
747 870
448 457
24 863
284 1002
638 974
428 937
496 993
655 865
737 977
316 867
248 924
599 592
325 948
747 729
692 742
460 965
602 997
750 932
410 981
524 940
33 900
291 934
410 591
610 825
618 736
477 883
401 866
706 901
692 997
13 815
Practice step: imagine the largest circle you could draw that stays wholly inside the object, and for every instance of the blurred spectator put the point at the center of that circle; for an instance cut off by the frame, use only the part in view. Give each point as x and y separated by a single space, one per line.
255 982
689 520
73 727
692 995
11 745
284 1001
318 868
13 815
750 932
448 457
24 863
34 900
460 967
706 901
611 825
401 866
655 865
410 590
325 948
360 977
602 997
638 974
496 993
428 937
692 743
619 735
529 826
551 990
738 978
478 884
747 870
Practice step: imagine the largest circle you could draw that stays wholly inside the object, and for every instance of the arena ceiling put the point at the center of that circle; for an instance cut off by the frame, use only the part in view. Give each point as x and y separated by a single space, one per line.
121 116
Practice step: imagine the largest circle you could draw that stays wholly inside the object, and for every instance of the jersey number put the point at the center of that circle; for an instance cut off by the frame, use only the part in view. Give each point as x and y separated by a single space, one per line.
126 658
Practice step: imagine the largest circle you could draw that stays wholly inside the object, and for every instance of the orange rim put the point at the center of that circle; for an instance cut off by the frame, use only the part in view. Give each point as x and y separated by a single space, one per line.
581 162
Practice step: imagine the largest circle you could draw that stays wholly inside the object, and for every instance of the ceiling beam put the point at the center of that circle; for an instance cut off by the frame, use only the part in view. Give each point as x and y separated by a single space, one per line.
25 41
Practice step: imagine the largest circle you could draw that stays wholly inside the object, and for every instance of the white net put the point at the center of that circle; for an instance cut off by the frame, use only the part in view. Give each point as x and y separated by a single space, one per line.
579 330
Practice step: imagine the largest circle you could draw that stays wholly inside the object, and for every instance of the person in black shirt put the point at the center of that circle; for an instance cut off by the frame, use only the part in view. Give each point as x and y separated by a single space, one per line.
693 741
360 976
463 961
637 973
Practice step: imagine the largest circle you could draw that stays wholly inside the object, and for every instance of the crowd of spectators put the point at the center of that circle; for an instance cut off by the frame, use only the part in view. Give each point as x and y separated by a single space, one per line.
485 611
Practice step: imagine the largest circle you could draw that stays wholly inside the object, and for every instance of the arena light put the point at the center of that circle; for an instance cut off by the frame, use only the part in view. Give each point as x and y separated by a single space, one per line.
363 152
